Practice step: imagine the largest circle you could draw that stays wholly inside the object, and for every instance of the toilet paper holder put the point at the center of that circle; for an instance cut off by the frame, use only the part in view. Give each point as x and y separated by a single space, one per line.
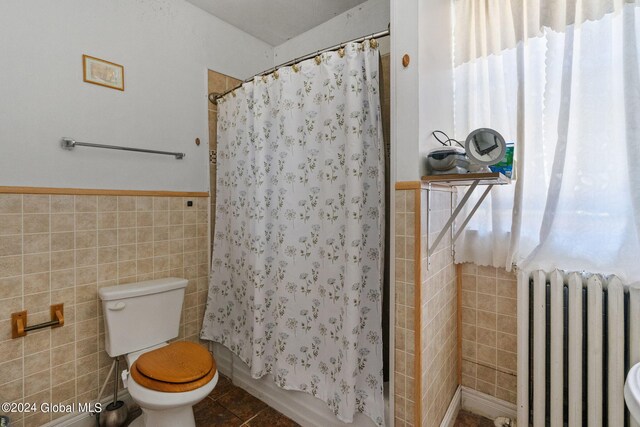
19 326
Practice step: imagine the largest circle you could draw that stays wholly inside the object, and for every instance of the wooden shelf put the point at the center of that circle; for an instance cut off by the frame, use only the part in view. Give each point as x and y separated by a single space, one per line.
492 178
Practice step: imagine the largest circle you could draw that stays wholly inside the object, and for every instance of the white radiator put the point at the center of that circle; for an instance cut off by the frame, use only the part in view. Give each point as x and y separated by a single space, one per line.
557 384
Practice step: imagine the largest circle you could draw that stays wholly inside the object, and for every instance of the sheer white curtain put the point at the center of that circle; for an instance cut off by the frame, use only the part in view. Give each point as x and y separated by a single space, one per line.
560 79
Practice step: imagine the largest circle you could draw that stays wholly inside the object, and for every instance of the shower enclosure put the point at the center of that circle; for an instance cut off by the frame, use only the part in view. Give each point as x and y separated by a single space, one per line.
298 264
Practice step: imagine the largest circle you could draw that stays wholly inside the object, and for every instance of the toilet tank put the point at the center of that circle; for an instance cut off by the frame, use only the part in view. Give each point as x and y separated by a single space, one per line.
140 315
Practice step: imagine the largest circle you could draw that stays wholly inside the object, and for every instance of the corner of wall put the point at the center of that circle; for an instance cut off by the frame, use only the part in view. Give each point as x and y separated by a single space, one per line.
488 304
439 310
426 308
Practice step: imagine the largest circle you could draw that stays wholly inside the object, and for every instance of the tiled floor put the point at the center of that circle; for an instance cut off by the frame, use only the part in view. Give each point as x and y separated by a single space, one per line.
231 406
467 419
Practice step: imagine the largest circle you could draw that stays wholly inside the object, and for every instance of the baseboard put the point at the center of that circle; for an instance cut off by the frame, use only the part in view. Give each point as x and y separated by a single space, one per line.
450 416
486 405
87 419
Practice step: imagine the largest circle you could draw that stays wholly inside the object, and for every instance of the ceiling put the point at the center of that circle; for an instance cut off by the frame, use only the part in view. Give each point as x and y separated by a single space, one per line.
275 21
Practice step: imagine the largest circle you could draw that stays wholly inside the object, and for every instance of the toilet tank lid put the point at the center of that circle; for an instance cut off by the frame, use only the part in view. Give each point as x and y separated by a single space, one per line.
141 288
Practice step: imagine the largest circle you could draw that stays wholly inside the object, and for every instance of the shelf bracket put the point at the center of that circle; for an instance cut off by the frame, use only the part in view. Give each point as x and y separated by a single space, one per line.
455 214
473 211
472 180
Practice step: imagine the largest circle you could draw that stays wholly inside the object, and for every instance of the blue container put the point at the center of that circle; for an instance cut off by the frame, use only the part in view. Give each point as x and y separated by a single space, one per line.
505 166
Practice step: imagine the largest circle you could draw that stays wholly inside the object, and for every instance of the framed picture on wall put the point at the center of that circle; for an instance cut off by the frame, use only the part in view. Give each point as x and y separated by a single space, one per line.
104 73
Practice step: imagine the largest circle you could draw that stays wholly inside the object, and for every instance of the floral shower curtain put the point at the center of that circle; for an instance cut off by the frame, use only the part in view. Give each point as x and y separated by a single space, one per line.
295 287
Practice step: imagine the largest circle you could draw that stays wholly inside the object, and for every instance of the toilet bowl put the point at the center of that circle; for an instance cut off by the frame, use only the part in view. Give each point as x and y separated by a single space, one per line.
169 407
165 379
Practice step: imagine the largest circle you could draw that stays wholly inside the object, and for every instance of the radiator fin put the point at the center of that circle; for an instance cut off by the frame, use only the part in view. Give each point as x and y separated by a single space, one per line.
575 350
556 351
594 351
615 333
539 349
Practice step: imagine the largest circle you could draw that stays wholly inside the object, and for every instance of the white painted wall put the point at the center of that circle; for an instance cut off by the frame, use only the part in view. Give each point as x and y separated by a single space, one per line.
422 93
166 47
367 18
435 70
404 90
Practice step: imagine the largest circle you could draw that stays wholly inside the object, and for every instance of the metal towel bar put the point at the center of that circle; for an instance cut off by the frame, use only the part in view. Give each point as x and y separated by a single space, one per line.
70 144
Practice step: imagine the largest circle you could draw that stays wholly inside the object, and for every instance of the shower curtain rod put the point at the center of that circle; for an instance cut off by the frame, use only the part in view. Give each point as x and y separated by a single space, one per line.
213 97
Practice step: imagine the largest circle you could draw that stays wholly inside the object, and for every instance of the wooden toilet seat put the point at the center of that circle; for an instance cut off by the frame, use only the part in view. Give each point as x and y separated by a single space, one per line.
175 368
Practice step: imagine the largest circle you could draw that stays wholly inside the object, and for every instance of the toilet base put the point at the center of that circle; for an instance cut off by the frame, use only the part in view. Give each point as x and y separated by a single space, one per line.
182 417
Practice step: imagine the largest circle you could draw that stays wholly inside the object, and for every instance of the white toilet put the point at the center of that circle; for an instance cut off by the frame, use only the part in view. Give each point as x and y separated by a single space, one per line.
166 380
632 392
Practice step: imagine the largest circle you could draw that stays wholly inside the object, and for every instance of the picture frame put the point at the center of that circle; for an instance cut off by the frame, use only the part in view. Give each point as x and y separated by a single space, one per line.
102 73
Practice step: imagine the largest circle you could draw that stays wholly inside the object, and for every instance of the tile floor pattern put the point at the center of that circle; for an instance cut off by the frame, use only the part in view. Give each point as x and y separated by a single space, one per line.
231 406
467 419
